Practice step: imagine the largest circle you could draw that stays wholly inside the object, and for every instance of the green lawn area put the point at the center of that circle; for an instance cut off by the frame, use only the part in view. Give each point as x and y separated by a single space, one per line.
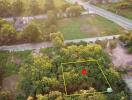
11 62
87 26
116 8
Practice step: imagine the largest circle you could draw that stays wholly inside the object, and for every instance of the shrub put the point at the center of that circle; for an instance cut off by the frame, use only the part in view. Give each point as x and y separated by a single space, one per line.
32 33
5 95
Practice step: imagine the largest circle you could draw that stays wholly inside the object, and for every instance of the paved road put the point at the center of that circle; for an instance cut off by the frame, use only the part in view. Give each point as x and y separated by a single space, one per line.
10 19
44 16
123 22
37 46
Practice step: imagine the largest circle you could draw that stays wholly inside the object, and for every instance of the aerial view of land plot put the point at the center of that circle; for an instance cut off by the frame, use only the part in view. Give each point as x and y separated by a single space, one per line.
65 50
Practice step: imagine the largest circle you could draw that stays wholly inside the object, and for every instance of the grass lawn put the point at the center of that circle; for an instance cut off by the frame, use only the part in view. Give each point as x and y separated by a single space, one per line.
87 26
11 62
114 7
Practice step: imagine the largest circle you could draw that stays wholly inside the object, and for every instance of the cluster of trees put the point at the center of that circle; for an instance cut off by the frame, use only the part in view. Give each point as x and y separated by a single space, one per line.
126 39
56 95
11 9
32 33
126 4
73 11
41 77
18 8
8 34
69 9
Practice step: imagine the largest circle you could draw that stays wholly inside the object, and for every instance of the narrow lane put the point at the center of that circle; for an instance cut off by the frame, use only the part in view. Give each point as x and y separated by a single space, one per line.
30 46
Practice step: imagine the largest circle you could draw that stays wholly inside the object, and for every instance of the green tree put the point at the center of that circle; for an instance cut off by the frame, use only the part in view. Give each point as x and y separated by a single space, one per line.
41 97
2 22
32 33
121 95
53 95
51 23
74 11
49 5
57 39
98 96
36 76
113 44
35 7
5 7
52 18
8 34
18 8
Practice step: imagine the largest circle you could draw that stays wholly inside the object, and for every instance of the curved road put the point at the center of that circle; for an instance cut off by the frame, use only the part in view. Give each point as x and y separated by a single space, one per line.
122 21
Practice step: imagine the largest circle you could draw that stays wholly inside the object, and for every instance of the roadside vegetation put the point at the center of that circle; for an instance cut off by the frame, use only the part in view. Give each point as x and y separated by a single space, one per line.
29 7
123 8
126 41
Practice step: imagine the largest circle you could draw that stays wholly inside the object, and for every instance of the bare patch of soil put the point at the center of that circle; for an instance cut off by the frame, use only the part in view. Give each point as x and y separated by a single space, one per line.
90 29
10 84
120 58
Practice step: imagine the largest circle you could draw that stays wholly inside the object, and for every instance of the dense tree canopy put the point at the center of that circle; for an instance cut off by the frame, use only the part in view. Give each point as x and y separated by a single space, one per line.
49 5
39 80
8 34
74 10
35 7
18 8
57 39
32 33
126 39
45 80
5 7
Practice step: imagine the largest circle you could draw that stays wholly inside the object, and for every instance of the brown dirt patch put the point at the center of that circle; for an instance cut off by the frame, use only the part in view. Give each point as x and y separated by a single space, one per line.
10 84
90 29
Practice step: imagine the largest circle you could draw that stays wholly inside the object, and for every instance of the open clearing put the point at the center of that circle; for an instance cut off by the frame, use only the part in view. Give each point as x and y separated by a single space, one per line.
87 26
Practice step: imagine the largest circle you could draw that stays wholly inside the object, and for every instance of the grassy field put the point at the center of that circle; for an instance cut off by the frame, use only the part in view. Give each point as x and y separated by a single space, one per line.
11 62
87 26
116 8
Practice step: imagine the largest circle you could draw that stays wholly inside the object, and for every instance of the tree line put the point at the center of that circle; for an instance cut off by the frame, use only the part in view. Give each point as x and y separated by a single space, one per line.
18 8
126 39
